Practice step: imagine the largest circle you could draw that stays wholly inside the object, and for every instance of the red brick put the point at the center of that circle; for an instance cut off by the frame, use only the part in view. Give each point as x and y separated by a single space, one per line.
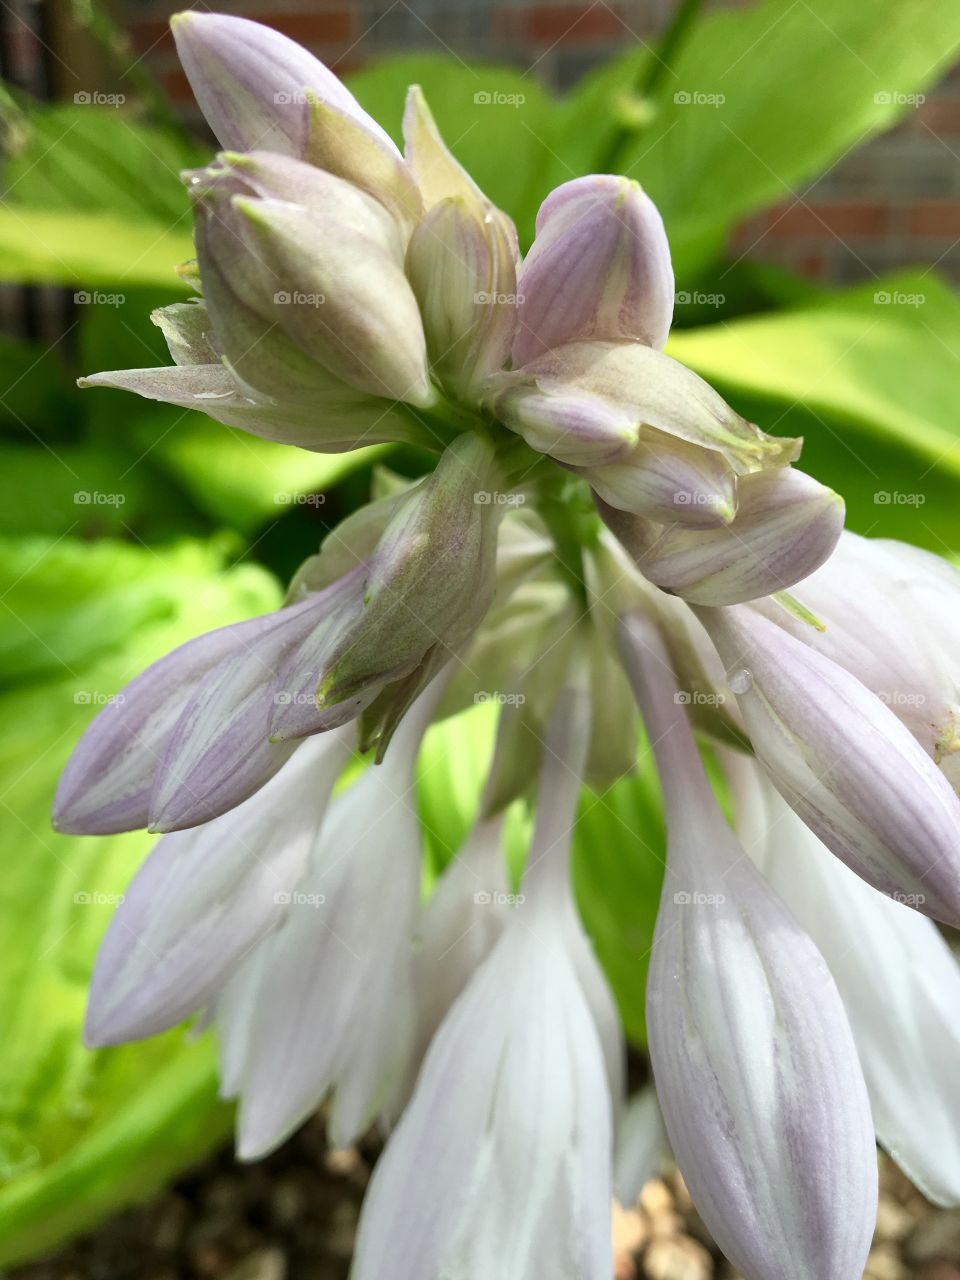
939 115
568 24
839 217
315 28
177 87
151 37
935 218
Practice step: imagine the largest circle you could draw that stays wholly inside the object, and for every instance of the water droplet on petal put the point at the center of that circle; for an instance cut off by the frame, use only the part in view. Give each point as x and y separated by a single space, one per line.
740 681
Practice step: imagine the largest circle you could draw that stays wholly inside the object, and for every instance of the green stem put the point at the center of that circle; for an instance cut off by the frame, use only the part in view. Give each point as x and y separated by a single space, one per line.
648 83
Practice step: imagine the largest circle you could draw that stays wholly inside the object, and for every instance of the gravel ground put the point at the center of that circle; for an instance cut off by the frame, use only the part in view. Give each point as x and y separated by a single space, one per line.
293 1217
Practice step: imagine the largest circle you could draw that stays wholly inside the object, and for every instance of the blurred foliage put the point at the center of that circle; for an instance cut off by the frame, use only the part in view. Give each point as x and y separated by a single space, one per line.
122 521
81 1131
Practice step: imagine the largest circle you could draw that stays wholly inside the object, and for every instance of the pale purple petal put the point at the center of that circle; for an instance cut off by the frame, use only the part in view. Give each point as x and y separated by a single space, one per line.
106 785
599 269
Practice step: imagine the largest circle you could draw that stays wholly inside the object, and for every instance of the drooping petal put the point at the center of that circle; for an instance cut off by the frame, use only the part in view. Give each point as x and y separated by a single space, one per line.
755 1065
106 785
643 387
899 981
844 762
204 898
599 269
218 752
511 1175
255 86
785 527
326 1002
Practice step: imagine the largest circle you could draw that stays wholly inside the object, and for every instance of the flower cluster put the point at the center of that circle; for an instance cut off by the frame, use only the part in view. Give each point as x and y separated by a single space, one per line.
601 533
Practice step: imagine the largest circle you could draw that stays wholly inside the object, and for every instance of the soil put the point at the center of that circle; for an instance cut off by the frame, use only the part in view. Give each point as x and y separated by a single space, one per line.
294 1215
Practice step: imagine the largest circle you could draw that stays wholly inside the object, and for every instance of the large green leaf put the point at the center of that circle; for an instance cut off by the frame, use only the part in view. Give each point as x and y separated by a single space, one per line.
82 1132
496 121
756 101
868 377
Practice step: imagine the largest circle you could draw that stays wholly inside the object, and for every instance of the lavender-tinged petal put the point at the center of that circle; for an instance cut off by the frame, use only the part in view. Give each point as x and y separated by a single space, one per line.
599 269
218 752
899 981
668 480
755 1064
106 785
845 763
785 527
578 429
255 86
204 898
644 387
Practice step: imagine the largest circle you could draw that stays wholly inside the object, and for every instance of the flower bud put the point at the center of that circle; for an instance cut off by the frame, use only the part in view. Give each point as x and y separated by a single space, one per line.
586 395
844 762
786 526
599 269
755 1066
326 271
251 82
424 591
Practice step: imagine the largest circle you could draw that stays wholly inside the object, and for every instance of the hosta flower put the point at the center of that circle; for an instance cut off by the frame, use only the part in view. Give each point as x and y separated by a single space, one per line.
755 1065
891 615
899 981
207 725
597 517
511 1173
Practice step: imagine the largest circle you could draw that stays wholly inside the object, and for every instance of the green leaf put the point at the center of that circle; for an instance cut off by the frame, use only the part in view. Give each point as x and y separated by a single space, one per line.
101 252
244 481
770 94
83 1132
867 376
496 121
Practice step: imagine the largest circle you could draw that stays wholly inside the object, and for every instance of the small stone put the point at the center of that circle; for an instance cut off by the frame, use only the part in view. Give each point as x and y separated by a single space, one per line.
677 1259
938 1237
630 1230
884 1264
656 1198
894 1222
265 1264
